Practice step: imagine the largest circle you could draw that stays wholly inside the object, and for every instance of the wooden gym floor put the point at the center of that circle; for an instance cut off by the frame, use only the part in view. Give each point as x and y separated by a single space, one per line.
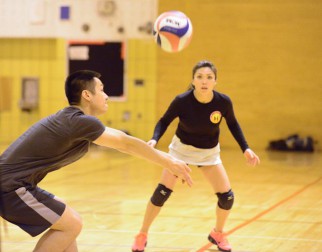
278 204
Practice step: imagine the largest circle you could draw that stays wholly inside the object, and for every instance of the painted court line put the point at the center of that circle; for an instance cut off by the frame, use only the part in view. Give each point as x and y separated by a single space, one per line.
208 245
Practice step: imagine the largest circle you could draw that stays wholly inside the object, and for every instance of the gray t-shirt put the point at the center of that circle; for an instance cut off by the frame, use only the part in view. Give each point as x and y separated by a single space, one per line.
48 145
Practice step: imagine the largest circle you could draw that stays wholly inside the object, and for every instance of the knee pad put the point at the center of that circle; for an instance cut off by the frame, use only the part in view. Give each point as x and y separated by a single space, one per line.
226 200
160 195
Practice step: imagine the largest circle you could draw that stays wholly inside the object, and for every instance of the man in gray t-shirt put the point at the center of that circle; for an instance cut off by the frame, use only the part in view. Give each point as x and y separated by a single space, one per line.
57 141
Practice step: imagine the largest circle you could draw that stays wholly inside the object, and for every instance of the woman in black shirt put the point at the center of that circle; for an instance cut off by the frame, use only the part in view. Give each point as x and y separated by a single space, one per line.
200 111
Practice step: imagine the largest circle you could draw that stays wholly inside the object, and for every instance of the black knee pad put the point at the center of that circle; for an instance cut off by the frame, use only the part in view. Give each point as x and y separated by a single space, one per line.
226 200
160 195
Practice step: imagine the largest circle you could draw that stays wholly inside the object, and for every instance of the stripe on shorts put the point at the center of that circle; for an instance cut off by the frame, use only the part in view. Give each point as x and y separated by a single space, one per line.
37 206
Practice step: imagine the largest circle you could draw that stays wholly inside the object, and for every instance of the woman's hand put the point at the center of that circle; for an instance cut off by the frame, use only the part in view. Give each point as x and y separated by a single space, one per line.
152 143
251 157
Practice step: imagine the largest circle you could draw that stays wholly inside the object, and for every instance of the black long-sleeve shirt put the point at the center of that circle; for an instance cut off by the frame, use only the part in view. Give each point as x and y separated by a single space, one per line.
199 122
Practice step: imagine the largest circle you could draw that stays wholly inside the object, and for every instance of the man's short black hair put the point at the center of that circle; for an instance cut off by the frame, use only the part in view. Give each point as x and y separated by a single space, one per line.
78 81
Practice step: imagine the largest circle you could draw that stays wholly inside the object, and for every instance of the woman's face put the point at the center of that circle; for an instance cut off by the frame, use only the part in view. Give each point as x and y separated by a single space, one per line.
204 80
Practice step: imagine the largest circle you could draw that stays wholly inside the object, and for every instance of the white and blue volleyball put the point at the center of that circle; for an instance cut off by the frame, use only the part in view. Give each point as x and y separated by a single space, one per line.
172 31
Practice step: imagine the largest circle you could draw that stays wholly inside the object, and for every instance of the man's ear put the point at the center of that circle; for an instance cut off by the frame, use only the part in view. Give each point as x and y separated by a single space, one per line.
86 95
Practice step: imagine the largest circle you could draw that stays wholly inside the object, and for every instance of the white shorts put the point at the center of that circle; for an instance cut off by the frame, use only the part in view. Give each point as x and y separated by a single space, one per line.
192 155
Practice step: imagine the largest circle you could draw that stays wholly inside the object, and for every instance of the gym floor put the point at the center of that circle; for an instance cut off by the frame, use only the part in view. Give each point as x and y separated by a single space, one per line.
278 205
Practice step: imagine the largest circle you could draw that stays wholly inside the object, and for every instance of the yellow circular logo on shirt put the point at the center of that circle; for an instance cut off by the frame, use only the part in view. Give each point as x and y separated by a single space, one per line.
215 117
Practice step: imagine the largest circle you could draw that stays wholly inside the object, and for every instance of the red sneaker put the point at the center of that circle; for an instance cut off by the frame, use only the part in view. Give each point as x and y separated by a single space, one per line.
140 242
220 240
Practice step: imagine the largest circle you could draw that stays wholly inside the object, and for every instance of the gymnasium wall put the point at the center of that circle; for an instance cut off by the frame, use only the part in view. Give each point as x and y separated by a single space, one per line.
136 115
37 58
107 20
269 58
46 59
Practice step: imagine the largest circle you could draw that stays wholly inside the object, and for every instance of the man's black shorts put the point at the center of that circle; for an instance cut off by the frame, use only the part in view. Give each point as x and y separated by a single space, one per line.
33 210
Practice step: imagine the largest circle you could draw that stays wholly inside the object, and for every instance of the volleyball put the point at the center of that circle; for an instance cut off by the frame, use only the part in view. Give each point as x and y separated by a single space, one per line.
172 31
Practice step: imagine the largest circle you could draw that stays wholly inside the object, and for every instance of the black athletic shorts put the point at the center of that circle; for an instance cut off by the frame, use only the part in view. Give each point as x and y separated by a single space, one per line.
33 210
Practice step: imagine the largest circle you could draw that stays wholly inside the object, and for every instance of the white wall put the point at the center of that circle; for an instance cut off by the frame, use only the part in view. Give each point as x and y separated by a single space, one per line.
41 18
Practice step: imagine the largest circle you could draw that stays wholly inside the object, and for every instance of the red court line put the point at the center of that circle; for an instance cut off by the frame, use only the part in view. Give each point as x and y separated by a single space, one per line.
272 207
208 245
205 247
